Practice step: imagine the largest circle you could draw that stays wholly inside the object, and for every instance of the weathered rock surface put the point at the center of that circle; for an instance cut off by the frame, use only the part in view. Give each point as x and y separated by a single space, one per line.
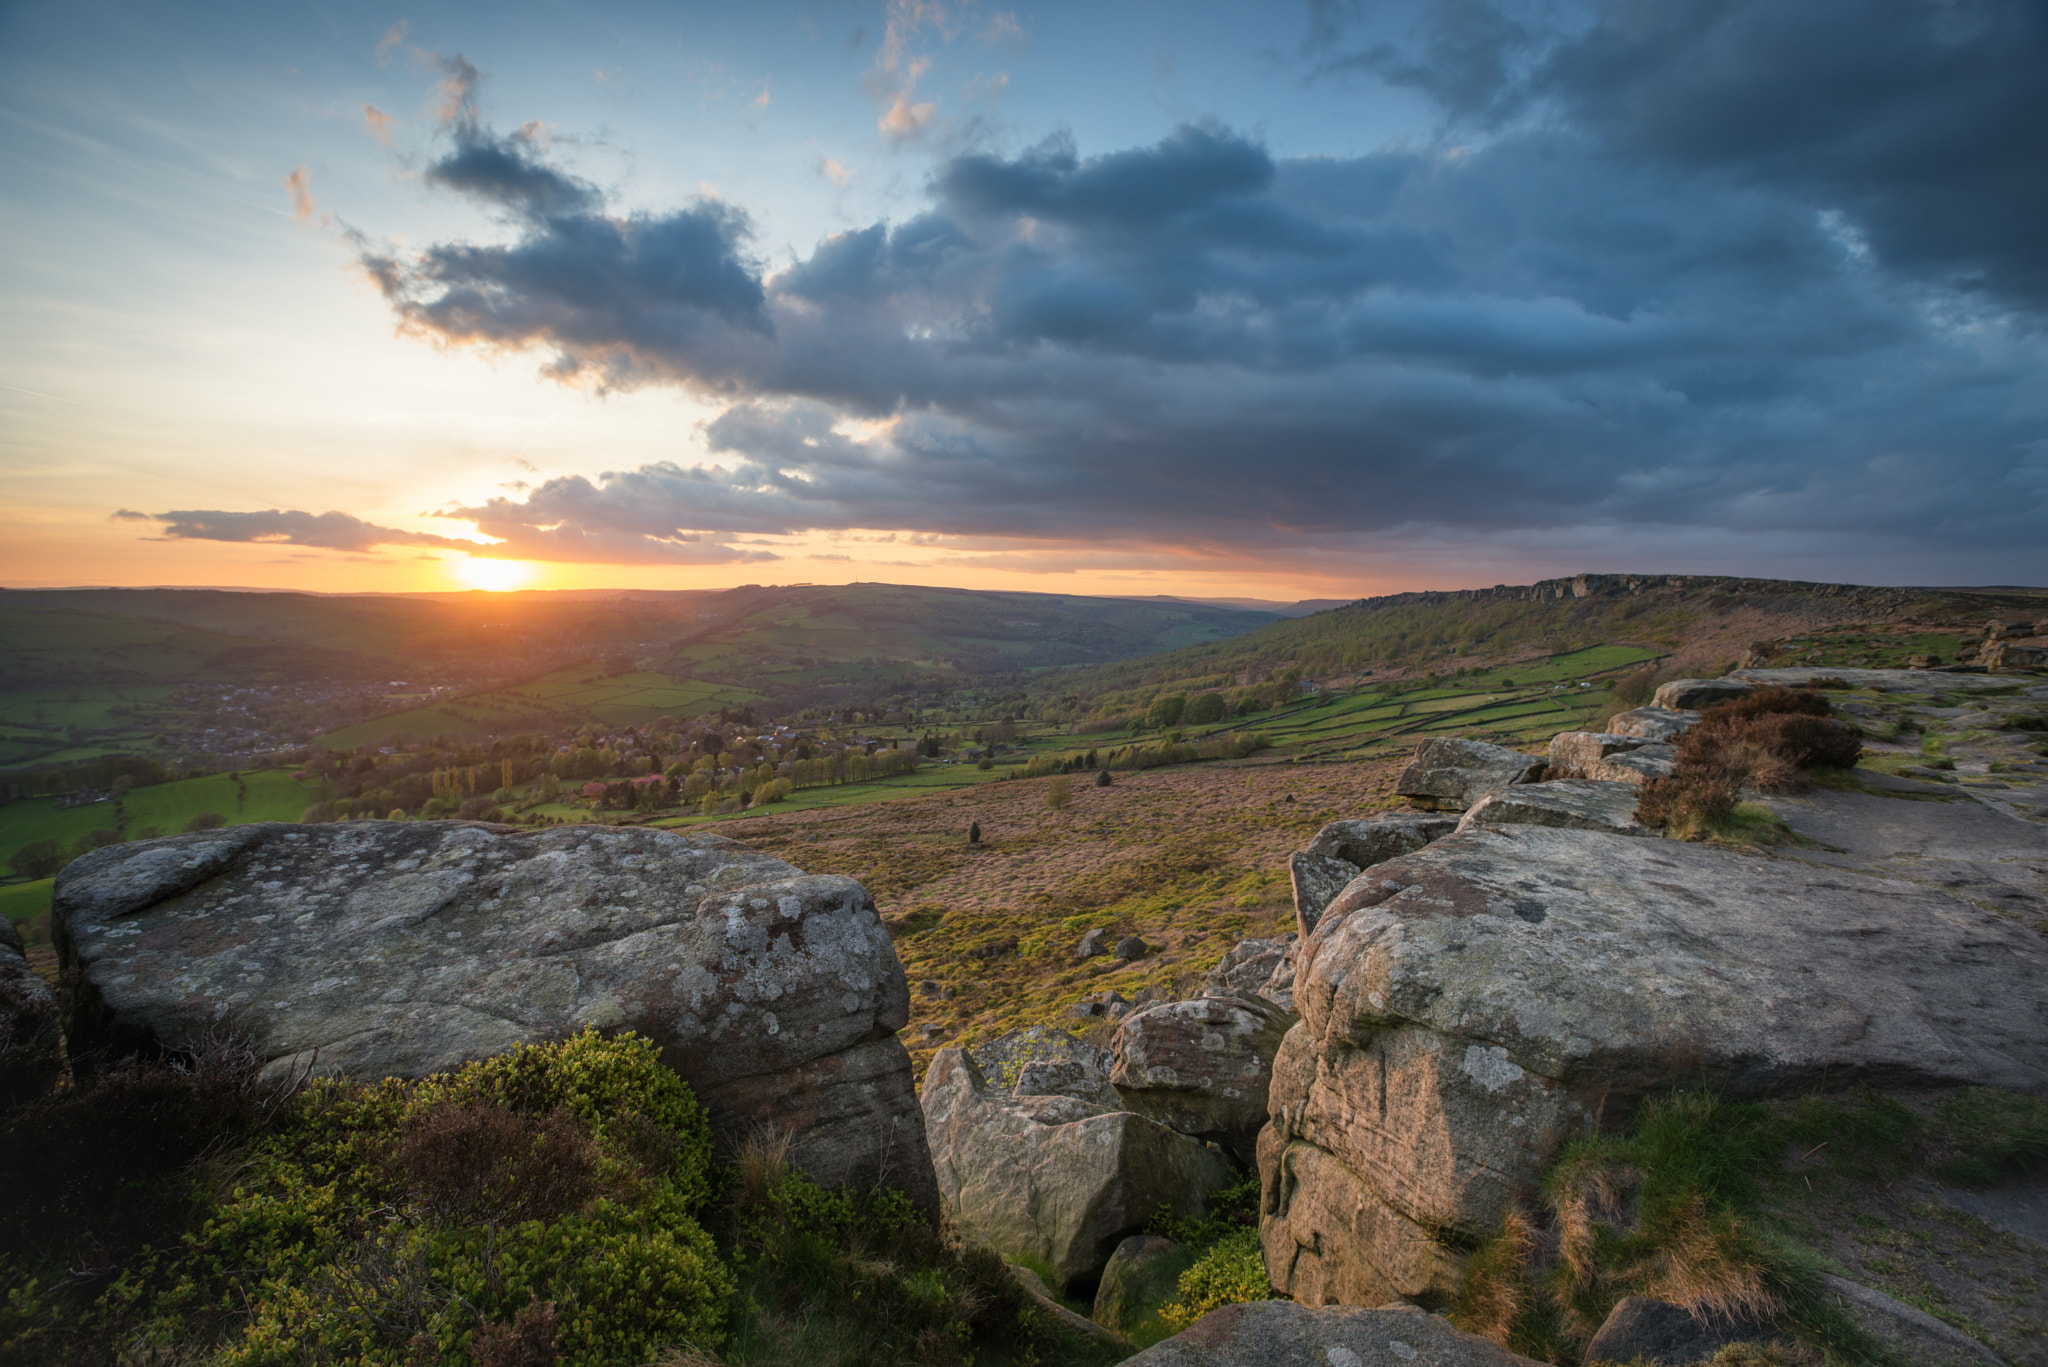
1248 967
1878 680
1283 1334
404 948
1343 849
1661 724
1569 804
1057 1177
1609 757
1002 1060
1450 773
1910 1332
1690 695
1202 1066
1635 768
1571 751
2007 655
31 1047
1143 1274
1642 1330
1469 1007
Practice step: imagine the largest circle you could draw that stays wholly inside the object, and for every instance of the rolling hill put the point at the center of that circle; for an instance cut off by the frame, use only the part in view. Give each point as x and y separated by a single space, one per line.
1699 622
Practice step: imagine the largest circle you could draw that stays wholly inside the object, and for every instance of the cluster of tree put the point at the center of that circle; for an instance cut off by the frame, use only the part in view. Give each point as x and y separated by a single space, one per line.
1234 745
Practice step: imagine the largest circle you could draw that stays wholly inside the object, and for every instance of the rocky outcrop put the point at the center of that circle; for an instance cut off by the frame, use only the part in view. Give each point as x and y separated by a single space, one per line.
31 1047
1574 804
1344 849
1690 695
1659 724
1283 1334
1249 969
2007 655
1057 1176
376 949
1608 757
1450 773
1469 1007
1201 1067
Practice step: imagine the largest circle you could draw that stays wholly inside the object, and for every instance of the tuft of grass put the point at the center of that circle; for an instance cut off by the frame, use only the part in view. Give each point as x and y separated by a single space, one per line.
1670 1208
1983 1135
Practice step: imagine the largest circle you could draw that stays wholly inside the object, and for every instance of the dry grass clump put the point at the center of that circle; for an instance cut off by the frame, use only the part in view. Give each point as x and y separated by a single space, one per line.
1765 741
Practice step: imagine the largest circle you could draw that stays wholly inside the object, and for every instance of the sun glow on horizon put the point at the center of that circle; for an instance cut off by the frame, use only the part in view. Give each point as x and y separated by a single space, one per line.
496 576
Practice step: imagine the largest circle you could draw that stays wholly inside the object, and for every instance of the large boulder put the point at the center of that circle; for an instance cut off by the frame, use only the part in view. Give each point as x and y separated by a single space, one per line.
1468 1008
1690 695
1343 849
1056 1176
374 949
1574 804
31 1045
1283 1334
1450 773
1202 1066
1659 724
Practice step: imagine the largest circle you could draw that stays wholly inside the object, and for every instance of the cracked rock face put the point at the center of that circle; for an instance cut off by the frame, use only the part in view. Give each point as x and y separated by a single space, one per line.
1201 1066
1469 1007
405 948
1064 1175
1450 773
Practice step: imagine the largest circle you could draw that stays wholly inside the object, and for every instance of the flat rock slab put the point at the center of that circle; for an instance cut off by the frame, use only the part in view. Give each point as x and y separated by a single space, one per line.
1969 849
1468 1008
1576 804
1878 680
381 949
1283 1334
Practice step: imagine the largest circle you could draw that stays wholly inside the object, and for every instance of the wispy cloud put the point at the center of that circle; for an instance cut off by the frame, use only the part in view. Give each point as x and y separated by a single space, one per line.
332 531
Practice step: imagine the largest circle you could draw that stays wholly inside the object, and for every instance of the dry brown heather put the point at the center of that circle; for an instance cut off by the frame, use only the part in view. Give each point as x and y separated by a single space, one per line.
1190 859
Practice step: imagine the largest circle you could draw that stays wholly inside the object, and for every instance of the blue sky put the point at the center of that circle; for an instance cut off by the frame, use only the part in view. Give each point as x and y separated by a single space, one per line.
1267 300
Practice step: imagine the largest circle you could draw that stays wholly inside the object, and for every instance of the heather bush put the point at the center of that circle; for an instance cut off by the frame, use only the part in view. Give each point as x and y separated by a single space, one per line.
1765 741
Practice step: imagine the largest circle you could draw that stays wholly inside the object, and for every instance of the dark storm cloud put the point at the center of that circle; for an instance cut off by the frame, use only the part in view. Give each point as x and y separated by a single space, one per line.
508 173
1597 313
332 531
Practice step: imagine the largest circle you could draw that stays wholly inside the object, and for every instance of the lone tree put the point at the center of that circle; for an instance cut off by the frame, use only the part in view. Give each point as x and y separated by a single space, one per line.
1059 793
974 832
1102 779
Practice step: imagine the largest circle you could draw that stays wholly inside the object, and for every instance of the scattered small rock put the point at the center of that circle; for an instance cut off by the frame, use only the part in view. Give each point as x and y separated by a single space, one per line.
1131 948
1091 944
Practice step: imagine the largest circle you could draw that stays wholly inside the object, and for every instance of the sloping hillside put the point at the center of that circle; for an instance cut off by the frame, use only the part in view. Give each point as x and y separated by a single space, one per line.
1698 620
811 640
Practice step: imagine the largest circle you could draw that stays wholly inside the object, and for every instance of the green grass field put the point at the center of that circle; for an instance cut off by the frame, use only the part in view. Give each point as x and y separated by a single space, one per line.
265 795
26 901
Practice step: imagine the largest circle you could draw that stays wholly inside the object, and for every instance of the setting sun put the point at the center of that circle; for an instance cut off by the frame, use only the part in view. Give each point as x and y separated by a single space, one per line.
495 575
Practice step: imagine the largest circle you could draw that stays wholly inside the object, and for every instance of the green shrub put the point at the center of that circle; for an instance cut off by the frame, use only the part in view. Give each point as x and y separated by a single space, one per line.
1232 1272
